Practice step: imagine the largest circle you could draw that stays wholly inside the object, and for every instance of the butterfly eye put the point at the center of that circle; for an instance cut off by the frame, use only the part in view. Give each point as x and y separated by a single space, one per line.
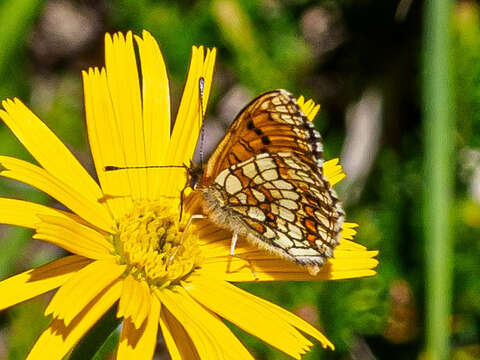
195 173
194 180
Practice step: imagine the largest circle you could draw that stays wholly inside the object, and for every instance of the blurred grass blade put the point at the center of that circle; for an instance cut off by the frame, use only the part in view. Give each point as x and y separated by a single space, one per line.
239 33
439 174
15 17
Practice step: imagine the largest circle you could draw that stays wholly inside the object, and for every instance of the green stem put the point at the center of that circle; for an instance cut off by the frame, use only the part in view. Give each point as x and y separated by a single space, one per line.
439 175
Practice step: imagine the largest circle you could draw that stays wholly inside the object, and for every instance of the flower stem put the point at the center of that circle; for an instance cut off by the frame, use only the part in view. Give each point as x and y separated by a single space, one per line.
439 171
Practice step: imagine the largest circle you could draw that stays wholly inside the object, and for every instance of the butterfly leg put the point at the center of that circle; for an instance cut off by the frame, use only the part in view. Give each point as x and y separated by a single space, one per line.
184 232
193 217
233 244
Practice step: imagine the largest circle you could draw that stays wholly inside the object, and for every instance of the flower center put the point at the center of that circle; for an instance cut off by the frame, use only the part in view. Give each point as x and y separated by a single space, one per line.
150 243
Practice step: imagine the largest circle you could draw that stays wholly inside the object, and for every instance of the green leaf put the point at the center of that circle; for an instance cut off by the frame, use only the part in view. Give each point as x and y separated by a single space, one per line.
102 337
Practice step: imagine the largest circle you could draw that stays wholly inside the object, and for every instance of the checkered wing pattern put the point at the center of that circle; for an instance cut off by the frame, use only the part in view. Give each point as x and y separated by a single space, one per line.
271 123
265 182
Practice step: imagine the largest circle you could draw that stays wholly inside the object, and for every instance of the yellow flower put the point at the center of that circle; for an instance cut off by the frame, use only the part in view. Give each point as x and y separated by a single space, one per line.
125 236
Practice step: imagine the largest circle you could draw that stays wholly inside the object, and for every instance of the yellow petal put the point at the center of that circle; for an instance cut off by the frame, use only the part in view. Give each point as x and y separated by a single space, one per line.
260 312
189 120
352 261
82 288
248 314
47 149
301 101
20 170
37 281
135 301
294 320
178 342
57 340
139 343
156 109
26 214
212 339
308 107
105 144
269 268
123 83
348 233
333 171
74 237
127 296
350 245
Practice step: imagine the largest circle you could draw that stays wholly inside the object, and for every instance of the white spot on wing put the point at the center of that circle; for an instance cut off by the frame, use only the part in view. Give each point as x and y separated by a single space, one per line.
282 185
271 174
286 214
295 231
242 197
258 180
274 209
256 213
249 170
283 241
269 234
303 251
281 224
293 164
287 118
258 195
276 101
322 219
232 184
289 204
220 179
265 163
292 195
298 243
268 186
276 194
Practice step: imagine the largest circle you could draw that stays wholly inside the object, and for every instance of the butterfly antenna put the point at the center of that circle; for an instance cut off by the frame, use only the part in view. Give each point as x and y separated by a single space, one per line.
201 88
114 168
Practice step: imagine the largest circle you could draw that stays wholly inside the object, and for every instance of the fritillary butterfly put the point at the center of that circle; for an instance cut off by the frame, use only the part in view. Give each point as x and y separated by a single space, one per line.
265 182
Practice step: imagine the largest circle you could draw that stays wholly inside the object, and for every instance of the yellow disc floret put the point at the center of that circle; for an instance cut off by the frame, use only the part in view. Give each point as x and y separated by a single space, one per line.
150 243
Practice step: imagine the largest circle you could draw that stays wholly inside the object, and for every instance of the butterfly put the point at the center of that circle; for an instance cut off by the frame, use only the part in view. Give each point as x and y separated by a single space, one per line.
265 182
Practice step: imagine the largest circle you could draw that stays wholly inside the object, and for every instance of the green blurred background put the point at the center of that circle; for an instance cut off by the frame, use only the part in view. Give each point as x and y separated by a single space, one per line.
362 61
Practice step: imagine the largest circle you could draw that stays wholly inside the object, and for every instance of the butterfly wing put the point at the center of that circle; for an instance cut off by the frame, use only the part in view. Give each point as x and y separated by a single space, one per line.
271 123
280 203
265 181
